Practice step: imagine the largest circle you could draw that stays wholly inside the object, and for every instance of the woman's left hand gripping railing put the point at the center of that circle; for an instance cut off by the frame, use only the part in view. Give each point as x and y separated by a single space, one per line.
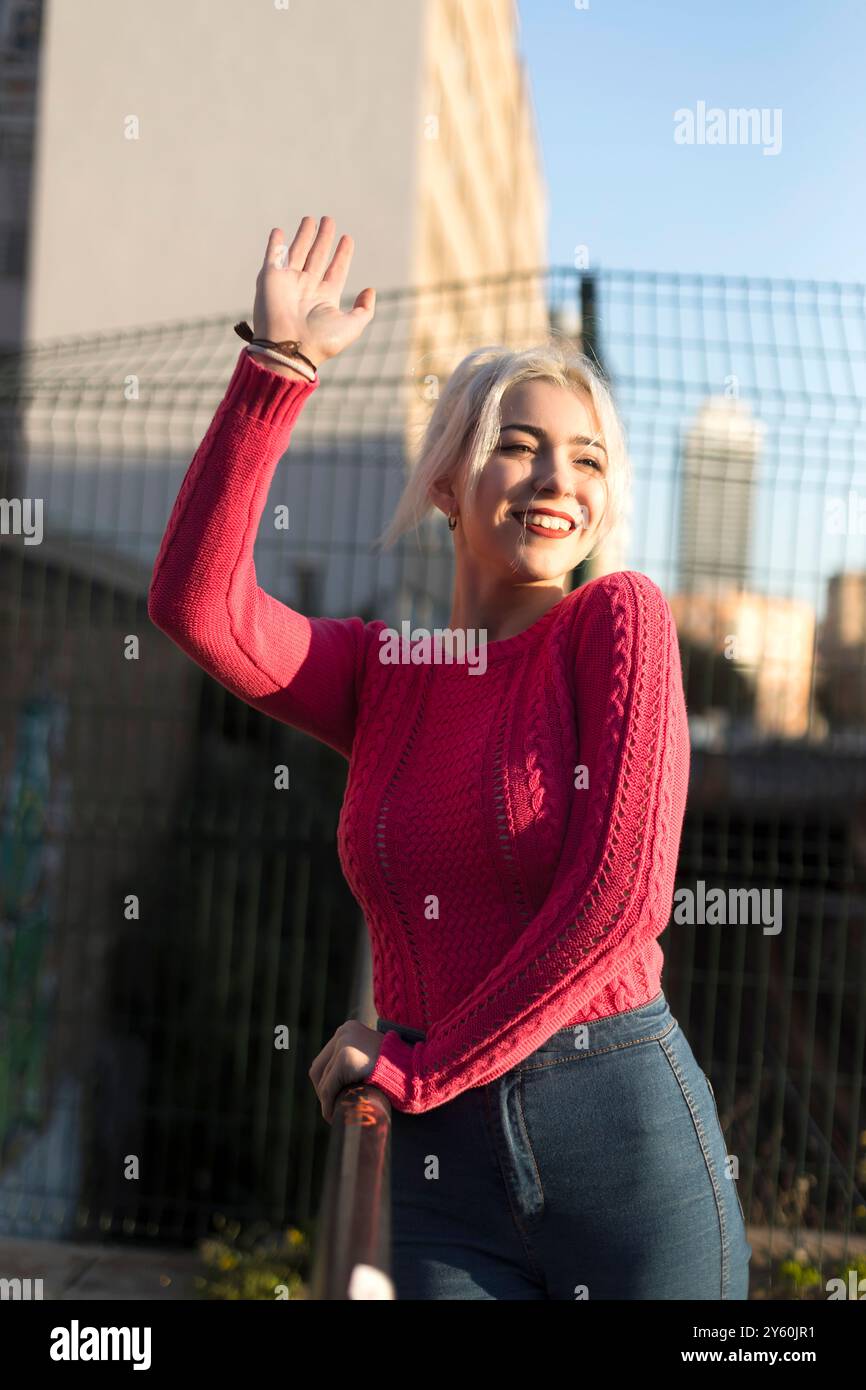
352 1258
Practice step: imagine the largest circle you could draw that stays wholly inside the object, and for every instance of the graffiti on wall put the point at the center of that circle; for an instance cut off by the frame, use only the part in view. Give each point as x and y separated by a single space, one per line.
32 822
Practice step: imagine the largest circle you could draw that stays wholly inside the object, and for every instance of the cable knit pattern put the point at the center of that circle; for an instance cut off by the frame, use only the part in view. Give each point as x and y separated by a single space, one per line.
502 901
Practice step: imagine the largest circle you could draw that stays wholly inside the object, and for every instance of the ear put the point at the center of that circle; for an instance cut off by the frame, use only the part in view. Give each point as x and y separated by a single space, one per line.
443 496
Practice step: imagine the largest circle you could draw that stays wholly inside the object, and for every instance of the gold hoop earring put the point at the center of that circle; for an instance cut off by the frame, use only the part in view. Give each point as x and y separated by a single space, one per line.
452 521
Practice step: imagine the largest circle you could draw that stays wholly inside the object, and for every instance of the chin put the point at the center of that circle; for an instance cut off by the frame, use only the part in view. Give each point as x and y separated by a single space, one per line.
537 567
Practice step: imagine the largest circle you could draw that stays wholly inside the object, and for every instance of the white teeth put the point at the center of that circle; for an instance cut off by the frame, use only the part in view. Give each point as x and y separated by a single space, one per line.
550 523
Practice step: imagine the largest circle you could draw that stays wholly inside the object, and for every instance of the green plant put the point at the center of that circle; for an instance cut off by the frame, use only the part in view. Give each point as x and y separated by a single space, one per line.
799 1276
257 1265
857 1263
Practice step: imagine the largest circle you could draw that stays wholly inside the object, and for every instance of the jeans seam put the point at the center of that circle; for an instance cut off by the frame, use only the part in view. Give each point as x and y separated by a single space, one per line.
702 1140
719 1118
581 1055
518 1100
522 1233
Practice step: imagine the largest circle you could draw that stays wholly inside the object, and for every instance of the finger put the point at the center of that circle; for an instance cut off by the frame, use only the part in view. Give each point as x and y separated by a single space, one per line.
318 253
301 243
340 1072
328 1089
321 1062
274 251
338 270
364 306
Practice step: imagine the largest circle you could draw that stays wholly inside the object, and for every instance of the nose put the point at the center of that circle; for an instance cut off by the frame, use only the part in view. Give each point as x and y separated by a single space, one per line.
555 478
554 474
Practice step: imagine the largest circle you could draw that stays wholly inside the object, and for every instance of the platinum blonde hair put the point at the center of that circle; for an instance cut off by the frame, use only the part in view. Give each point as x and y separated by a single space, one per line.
463 430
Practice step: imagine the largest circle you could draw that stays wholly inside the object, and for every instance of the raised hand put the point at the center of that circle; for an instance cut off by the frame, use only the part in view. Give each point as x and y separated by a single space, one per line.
297 298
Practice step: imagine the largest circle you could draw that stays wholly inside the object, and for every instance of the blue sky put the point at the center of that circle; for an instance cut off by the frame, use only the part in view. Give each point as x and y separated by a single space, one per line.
606 82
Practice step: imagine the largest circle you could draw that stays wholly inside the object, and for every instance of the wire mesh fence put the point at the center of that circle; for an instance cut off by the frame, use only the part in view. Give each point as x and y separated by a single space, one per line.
167 912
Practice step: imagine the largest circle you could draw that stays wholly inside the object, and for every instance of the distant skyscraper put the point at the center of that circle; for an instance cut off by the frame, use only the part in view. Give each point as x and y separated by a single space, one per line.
719 459
769 639
842 649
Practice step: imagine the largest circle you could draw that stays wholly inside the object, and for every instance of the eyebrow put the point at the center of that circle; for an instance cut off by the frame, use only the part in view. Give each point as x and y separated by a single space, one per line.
541 434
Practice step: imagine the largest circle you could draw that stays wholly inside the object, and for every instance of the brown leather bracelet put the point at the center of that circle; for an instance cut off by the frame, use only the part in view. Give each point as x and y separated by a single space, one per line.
291 347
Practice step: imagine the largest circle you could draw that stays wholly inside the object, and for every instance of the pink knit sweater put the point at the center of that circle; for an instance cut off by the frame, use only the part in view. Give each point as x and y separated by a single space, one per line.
511 836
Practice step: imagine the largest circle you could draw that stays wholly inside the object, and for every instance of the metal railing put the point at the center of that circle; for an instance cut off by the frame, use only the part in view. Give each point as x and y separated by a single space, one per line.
353 1237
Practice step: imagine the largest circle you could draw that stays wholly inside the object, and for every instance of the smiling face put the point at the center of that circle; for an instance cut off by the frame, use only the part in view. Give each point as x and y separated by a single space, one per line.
541 494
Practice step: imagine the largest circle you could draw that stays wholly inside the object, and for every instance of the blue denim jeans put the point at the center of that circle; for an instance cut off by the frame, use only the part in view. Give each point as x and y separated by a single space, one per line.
595 1168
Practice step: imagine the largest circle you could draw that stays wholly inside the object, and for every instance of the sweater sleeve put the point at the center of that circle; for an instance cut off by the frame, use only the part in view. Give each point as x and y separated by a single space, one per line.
613 890
204 594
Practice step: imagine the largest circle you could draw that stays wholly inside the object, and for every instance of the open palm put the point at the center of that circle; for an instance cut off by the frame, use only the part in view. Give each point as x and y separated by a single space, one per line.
298 298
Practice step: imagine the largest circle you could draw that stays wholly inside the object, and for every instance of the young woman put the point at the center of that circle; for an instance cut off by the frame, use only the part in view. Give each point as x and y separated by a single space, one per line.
510 825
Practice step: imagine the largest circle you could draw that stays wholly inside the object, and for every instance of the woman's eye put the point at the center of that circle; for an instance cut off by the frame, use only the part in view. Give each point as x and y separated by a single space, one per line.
525 449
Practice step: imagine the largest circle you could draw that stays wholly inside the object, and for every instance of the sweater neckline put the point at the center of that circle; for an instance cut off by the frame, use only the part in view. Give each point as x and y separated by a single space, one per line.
508 646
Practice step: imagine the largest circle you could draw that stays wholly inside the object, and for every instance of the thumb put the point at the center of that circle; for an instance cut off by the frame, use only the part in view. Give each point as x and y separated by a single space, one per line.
364 306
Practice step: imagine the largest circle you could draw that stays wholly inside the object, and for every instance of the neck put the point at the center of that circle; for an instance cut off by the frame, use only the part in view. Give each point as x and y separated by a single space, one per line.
504 609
